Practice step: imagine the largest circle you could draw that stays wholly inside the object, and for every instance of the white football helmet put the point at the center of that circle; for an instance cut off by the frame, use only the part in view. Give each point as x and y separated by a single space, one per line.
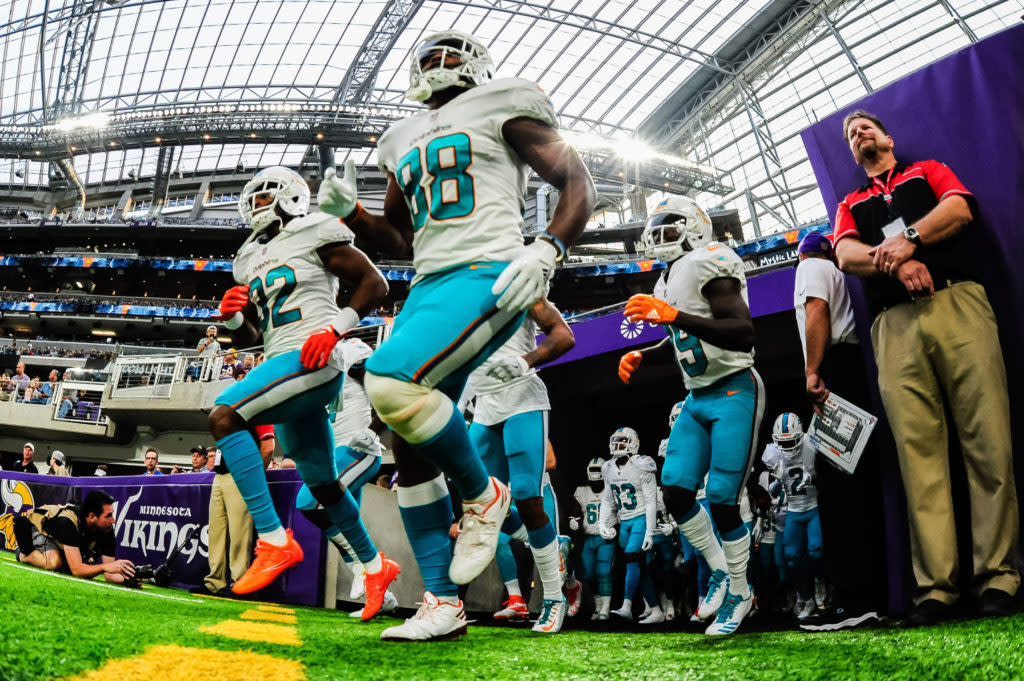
677 409
788 431
475 65
624 442
594 469
675 227
288 190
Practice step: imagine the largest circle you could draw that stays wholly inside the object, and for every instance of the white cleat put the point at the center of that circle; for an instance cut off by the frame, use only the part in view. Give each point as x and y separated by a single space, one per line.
357 590
515 610
656 616
624 613
390 605
806 609
478 535
670 612
718 586
731 613
694 619
552 615
434 621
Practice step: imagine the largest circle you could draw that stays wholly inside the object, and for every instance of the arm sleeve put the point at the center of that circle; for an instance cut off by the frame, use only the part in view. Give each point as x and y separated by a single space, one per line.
945 183
650 487
845 225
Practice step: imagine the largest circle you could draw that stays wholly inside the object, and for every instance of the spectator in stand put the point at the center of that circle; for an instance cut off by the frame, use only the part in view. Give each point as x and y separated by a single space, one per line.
152 460
230 364
198 461
26 465
57 465
31 395
211 460
208 346
248 362
8 391
101 470
907 233
729 240
49 389
383 481
20 379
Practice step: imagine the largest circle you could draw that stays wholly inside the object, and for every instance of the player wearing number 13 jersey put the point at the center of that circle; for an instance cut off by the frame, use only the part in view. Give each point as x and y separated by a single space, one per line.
702 302
456 177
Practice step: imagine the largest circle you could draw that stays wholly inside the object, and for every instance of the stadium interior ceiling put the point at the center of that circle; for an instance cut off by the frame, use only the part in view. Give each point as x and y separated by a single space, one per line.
157 111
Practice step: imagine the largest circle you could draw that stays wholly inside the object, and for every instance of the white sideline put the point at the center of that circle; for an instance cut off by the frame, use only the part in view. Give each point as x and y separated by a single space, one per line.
101 584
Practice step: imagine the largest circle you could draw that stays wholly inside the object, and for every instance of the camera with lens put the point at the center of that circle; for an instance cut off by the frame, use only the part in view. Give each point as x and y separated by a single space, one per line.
144 572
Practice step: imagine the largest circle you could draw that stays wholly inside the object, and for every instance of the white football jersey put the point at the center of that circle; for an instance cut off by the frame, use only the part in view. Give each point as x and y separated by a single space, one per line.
632 489
465 187
702 363
791 468
498 401
590 504
293 292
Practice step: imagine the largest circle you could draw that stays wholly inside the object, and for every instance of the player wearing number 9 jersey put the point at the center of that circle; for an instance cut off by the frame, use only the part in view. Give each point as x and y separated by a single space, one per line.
288 273
702 302
456 177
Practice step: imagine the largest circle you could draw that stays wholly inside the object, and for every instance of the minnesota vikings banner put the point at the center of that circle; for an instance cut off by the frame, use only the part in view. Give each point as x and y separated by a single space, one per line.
154 514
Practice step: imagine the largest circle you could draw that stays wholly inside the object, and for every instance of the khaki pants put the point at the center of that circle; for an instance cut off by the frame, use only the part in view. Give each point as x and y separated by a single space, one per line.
949 346
230 533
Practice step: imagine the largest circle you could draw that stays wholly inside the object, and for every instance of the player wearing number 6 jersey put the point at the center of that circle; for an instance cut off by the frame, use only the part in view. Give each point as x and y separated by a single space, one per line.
456 182
702 302
287 274
597 552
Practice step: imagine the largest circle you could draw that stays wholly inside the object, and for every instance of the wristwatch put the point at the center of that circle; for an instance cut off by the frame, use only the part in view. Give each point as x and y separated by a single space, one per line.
911 235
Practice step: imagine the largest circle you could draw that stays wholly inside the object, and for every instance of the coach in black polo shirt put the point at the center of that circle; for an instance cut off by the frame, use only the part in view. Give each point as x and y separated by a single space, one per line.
907 234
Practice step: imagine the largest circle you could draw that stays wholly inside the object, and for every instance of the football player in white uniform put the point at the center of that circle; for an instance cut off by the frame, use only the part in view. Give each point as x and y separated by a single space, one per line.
598 553
456 182
509 429
287 274
702 302
632 490
790 457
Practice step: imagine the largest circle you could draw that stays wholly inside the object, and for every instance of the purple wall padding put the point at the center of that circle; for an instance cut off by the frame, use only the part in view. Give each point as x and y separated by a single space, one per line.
966 111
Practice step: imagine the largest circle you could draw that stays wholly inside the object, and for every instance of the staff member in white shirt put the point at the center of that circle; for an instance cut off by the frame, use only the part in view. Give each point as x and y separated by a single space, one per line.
833 360
208 345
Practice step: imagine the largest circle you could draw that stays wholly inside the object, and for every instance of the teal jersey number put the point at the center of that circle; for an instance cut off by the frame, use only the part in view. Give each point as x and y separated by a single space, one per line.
796 476
592 513
452 190
691 355
630 492
275 317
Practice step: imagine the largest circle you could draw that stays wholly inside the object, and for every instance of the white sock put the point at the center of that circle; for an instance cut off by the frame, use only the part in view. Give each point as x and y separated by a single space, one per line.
276 537
737 553
512 586
374 564
450 600
606 604
521 535
627 606
486 496
700 533
549 566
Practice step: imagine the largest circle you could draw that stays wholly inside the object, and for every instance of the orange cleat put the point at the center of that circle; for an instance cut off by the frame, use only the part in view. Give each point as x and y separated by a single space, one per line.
270 561
377 584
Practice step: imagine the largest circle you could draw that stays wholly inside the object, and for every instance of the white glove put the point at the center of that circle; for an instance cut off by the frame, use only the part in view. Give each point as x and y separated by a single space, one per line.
805 480
663 448
507 368
758 532
665 529
524 280
648 542
607 532
337 195
574 523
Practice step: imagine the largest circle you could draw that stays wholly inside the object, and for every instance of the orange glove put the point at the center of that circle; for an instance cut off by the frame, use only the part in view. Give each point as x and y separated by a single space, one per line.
235 300
318 347
644 308
628 364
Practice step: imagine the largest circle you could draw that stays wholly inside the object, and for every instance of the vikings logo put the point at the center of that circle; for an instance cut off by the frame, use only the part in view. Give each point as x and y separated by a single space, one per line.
16 496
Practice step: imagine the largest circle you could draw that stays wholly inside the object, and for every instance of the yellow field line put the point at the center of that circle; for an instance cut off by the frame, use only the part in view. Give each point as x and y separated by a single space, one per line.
175 663
274 608
255 631
281 617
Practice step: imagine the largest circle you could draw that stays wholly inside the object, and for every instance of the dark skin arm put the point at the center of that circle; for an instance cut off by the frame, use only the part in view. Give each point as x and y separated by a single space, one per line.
349 264
730 326
390 233
558 338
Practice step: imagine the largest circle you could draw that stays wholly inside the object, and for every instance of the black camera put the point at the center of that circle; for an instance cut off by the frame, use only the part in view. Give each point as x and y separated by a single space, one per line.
144 572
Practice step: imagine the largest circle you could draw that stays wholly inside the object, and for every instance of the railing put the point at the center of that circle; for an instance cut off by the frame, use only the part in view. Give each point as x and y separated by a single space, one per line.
79 401
149 376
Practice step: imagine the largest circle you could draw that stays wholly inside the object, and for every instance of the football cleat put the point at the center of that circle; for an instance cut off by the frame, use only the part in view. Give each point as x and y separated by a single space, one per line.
668 607
552 615
515 610
820 592
478 535
655 616
574 596
806 609
377 584
732 612
390 604
718 585
356 590
625 612
434 621
270 562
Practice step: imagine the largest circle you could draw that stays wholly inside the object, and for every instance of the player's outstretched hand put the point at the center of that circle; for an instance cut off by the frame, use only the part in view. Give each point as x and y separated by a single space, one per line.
665 529
628 364
234 300
524 280
645 308
574 523
338 195
318 347
507 368
648 542
607 532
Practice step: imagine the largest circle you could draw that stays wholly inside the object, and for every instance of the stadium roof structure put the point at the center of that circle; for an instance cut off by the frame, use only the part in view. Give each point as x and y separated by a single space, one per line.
703 96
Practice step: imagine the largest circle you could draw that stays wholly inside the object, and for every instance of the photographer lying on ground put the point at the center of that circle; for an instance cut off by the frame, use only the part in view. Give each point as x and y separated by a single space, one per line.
74 539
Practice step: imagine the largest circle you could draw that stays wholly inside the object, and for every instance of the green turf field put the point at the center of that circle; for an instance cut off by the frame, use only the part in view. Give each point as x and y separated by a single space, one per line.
63 628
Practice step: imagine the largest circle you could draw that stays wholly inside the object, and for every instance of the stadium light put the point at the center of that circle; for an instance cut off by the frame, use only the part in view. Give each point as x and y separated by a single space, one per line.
94 121
103 332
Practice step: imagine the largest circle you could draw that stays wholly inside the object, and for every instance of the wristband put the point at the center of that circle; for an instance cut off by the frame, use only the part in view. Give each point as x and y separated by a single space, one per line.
354 215
346 320
557 243
236 321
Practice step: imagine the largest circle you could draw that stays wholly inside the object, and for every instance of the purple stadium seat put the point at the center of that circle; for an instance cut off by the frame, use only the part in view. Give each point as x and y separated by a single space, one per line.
82 410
